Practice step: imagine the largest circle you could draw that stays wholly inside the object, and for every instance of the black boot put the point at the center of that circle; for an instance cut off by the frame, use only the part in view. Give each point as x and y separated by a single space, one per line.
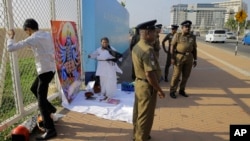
172 94
50 133
183 93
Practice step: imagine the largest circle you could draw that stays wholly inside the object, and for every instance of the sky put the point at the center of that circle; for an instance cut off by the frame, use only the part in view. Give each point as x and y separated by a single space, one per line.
144 10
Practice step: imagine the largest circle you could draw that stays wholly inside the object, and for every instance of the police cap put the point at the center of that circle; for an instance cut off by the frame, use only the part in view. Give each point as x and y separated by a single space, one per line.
147 25
173 26
158 26
186 23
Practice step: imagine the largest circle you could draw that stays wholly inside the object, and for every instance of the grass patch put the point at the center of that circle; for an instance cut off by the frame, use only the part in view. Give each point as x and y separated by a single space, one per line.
27 75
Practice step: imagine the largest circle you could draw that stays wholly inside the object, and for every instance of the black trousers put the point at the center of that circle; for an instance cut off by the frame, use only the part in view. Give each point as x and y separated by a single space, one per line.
40 89
168 64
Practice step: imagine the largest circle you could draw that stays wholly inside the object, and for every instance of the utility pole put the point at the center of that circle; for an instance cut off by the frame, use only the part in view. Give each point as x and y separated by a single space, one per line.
237 43
240 17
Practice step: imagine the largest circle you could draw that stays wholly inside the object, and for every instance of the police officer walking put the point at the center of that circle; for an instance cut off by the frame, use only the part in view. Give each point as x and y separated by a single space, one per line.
183 57
168 38
148 73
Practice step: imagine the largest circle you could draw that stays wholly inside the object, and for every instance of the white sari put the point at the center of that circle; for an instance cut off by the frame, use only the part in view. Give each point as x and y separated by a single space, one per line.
106 70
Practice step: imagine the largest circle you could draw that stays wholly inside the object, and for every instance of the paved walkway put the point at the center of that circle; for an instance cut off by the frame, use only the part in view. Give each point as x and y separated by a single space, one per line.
219 95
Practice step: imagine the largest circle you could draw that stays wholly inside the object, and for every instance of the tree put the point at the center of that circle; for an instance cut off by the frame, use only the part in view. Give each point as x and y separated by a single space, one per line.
231 24
247 24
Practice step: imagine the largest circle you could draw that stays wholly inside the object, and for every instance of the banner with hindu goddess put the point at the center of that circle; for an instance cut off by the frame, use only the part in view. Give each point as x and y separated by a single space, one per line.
67 55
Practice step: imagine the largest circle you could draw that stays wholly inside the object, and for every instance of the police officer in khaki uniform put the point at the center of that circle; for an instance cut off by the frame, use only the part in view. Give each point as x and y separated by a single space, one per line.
156 45
168 38
134 40
148 73
183 57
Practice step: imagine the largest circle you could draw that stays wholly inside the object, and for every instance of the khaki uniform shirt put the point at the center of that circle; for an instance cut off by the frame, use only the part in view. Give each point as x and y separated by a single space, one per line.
185 43
157 47
144 60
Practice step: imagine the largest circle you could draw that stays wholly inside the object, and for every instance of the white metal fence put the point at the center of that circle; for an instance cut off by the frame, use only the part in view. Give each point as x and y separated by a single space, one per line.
17 70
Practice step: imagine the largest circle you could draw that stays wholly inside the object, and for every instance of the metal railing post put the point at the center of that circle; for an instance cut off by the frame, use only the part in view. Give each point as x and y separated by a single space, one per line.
14 65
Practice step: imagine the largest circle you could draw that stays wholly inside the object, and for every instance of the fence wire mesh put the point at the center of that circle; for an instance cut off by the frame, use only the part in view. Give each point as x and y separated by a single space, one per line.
43 11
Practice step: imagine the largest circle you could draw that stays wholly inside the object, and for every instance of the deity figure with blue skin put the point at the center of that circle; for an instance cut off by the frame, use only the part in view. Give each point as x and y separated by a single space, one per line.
69 57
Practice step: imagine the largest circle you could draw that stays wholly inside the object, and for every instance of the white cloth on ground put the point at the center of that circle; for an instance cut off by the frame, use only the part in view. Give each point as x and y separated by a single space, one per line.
122 111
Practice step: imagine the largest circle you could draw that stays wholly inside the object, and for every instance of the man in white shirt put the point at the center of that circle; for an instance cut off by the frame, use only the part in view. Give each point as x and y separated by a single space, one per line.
42 46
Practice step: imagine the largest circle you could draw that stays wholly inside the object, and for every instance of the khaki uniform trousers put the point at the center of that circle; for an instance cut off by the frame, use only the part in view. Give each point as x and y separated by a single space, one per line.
182 67
144 109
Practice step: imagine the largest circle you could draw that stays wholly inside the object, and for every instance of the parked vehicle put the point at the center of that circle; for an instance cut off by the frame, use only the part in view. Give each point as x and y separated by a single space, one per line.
246 39
216 35
230 35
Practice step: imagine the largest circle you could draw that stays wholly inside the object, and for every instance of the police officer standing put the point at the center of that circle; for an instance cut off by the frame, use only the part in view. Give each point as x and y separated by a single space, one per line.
183 57
156 44
168 37
134 40
148 73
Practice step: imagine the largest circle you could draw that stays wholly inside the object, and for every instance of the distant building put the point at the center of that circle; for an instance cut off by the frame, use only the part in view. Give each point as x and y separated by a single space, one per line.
177 14
206 15
232 6
201 14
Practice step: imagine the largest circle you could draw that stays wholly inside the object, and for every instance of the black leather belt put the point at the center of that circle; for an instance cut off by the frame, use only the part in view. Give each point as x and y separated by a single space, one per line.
185 53
145 80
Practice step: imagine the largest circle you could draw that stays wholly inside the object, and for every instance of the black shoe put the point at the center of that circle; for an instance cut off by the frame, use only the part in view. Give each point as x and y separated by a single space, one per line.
50 133
183 93
172 94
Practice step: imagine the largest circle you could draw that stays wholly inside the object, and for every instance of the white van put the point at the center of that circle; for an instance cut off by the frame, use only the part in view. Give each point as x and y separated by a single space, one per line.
216 35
